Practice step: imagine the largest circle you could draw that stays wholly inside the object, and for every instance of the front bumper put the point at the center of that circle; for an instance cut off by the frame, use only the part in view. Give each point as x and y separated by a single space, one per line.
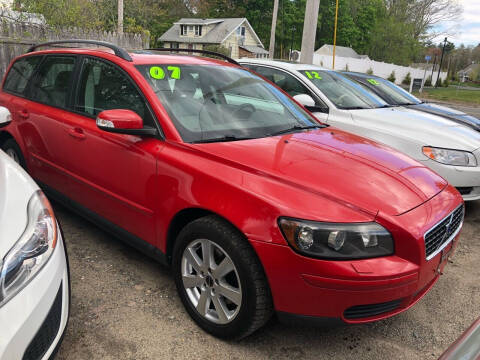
33 322
359 291
459 176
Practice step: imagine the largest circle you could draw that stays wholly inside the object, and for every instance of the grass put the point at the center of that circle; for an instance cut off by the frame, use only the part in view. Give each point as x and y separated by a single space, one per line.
451 94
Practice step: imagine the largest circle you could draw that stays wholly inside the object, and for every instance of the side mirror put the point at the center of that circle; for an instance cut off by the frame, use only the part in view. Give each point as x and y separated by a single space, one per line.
5 117
123 121
304 99
309 104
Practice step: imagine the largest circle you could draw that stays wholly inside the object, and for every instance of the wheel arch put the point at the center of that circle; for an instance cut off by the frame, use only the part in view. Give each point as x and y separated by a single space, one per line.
182 219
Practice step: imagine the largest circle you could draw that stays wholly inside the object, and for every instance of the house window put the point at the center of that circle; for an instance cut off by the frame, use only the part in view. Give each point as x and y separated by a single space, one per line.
198 30
190 27
241 31
174 45
183 29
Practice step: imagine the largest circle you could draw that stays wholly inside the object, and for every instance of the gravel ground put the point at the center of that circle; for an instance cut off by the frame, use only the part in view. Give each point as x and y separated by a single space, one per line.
124 306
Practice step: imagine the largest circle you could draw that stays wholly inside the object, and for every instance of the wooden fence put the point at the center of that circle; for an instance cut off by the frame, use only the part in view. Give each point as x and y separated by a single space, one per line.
16 38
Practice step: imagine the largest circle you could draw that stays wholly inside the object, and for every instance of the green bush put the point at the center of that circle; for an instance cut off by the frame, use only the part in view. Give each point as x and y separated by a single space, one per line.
439 82
346 67
407 79
428 81
392 77
370 71
446 83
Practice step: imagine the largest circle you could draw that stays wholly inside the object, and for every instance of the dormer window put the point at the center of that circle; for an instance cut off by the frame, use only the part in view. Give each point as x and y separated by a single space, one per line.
241 31
183 30
198 30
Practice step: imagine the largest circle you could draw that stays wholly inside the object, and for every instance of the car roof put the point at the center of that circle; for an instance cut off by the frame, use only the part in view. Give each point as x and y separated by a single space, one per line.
138 58
282 64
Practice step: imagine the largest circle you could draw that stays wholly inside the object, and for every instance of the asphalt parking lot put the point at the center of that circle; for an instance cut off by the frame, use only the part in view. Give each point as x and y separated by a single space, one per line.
124 306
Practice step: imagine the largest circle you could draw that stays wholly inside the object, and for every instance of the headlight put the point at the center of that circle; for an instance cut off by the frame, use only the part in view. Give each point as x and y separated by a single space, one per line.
31 251
337 241
450 157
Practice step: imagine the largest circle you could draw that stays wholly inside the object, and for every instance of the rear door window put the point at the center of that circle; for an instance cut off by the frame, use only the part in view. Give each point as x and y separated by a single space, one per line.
20 73
52 84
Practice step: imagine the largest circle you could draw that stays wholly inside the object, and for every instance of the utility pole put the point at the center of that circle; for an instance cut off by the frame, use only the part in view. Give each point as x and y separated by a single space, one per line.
291 45
441 61
309 31
335 36
120 17
272 33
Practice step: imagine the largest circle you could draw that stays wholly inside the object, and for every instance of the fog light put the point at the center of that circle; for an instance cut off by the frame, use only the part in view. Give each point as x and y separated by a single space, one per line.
305 238
369 240
336 239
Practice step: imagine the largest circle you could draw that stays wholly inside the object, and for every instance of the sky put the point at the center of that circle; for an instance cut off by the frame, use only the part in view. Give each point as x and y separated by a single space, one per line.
466 31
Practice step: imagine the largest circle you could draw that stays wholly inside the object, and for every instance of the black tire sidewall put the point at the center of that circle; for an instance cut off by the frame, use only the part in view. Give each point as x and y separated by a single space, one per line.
11 144
235 329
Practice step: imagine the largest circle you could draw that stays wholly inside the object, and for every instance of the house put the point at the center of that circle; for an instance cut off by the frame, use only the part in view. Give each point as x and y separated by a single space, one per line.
235 34
471 72
340 51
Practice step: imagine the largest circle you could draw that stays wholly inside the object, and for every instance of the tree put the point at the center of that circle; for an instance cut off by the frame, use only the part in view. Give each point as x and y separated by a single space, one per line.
392 77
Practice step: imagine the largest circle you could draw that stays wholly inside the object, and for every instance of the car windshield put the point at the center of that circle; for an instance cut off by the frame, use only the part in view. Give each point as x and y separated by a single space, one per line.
343 92
210 103
395 94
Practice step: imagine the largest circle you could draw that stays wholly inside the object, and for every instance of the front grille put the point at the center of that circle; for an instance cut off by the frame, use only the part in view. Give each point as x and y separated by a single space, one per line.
440 235
47 332
365 311
464 190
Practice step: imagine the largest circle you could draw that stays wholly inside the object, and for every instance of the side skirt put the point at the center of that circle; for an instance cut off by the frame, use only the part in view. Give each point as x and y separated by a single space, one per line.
106 225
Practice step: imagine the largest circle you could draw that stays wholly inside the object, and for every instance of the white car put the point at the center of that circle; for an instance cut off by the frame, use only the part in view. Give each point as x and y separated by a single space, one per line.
34 280
449 148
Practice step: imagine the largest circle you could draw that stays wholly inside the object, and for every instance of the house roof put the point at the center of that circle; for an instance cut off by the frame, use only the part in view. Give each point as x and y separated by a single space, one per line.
223 28
254 49
469 69
193 21
341 51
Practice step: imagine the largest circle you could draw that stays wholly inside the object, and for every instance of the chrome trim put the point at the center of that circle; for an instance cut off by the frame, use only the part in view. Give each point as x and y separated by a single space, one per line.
447 242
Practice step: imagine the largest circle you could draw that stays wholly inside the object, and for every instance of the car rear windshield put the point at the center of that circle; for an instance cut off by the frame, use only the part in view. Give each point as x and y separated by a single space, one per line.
395 94
343 92
215 102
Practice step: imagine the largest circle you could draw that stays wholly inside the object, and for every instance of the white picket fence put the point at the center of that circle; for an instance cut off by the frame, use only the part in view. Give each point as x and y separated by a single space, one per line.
379 68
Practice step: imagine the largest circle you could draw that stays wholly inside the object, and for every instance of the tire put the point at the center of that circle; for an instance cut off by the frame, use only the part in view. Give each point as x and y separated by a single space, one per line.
12 149
241 315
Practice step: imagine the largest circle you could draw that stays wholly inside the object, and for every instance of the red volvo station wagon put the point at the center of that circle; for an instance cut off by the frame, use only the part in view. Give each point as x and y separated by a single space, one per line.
256 206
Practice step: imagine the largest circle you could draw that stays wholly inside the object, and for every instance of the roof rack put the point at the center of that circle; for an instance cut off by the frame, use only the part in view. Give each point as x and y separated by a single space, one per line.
116 49
206 52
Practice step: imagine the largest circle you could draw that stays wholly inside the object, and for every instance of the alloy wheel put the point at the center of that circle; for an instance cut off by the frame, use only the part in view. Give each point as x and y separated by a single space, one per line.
211 281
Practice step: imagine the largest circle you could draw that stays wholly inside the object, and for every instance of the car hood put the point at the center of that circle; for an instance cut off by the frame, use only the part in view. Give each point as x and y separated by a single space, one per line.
421 127
16 188
452 114
335 164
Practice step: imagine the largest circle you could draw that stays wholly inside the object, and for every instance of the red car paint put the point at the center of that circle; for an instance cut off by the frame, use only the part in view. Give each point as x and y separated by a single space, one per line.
142 184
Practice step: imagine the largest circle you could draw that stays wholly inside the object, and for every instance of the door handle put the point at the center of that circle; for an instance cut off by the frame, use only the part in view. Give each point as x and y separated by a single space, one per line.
23 114
76 133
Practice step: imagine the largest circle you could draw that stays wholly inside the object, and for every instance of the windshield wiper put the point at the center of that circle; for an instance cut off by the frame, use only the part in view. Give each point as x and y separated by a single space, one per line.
222 139
354 108
296 128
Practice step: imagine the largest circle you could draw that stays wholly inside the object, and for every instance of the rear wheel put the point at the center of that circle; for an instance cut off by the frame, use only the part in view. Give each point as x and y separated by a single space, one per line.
220 279
12 149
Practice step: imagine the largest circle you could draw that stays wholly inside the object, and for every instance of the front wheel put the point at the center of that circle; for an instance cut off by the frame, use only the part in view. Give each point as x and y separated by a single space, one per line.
220 279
